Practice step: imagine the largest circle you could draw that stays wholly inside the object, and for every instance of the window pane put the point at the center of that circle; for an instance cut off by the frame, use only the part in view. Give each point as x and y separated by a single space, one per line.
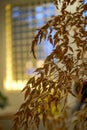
24 22
85 1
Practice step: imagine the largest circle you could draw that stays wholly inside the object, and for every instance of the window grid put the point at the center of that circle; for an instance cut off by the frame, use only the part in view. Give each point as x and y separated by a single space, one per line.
21 24
25 21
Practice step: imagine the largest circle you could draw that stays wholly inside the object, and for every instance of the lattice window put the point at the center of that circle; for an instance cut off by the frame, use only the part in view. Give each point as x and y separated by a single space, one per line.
24 20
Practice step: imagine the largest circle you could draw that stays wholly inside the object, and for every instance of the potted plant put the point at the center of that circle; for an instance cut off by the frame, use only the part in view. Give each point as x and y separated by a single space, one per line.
46 93
3 101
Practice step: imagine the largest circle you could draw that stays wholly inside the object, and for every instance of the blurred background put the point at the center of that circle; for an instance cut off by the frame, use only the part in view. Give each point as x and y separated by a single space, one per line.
19 22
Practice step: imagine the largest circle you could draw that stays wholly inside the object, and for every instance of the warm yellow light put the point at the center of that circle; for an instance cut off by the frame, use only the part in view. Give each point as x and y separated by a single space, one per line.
13 85
8 7
9 82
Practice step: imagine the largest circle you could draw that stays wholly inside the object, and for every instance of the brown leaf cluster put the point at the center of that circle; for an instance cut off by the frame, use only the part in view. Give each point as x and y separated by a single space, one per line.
45 92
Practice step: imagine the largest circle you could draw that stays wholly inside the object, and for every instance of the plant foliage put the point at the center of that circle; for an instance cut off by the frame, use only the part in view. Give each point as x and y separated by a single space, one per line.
52 83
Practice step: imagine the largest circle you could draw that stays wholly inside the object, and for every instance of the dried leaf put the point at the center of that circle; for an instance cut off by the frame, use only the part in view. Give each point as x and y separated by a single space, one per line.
27 93
65 51
70 48
50 39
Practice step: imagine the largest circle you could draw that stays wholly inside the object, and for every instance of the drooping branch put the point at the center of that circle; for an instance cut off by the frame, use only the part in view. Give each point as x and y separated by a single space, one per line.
53 82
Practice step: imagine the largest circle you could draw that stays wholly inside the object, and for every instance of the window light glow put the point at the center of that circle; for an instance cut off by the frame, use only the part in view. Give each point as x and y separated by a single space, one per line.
14 85
10 84
85 1
21 23
8 45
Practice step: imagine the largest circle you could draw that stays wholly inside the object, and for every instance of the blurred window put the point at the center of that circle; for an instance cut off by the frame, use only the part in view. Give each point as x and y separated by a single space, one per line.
21 25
